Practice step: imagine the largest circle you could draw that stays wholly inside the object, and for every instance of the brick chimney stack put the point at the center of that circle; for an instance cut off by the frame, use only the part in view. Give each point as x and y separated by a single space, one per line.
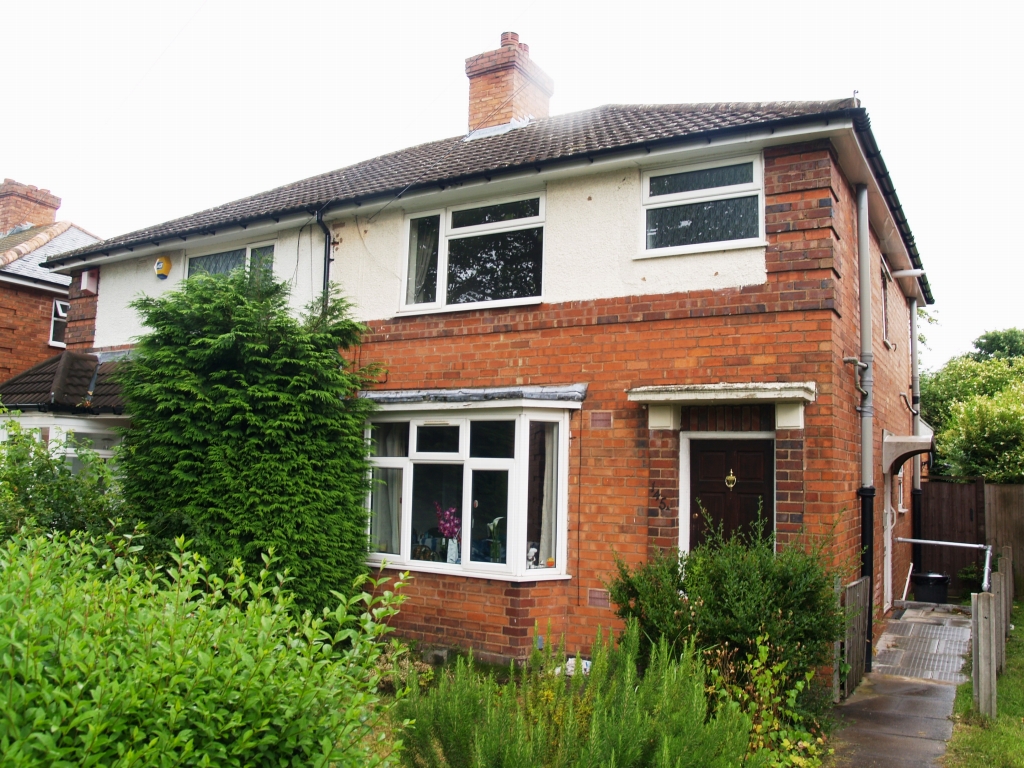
505 85
25 204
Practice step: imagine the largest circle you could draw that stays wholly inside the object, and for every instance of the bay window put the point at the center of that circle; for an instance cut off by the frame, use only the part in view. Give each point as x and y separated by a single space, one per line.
473 255
483 494
705 207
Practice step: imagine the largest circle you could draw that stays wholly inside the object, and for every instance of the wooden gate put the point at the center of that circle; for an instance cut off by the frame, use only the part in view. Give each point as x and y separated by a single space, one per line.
952 512
855 601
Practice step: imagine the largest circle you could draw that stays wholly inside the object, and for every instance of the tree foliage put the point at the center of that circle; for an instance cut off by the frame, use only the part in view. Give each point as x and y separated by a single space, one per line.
984 436
961 379
999 344
247 432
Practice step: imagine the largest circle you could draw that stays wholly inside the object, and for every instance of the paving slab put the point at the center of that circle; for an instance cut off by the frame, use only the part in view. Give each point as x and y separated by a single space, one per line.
900 714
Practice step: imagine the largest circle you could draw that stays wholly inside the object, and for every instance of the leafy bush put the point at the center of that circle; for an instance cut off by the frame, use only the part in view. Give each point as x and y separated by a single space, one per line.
247 432
960 380
984 436
104 662
769 697
37 483
609 717
728 592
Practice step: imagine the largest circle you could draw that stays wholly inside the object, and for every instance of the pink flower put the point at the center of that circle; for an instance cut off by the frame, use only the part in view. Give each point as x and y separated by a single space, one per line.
449 523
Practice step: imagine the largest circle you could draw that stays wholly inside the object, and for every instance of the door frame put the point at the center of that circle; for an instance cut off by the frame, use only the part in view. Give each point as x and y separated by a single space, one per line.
684 474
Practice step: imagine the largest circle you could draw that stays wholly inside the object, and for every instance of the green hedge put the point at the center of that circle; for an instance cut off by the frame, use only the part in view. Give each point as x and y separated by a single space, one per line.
105 662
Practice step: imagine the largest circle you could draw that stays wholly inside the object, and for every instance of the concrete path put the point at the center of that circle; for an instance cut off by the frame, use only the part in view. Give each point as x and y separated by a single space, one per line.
899 716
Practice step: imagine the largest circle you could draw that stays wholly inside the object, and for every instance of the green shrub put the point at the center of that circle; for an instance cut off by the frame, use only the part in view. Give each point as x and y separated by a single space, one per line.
779 732
545 719
105 662
728 592
984 436
37 483
247 432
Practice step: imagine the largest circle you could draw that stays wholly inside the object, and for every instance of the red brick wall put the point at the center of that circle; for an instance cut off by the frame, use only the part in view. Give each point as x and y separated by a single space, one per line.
624 484
23 203
81 331
24 328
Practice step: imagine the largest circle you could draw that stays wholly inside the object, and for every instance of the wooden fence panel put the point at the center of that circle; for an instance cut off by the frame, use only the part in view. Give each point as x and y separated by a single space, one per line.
1004 525
855 599
952 512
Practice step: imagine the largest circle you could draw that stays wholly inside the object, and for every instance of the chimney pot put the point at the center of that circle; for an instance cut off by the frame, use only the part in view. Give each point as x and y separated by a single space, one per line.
509 38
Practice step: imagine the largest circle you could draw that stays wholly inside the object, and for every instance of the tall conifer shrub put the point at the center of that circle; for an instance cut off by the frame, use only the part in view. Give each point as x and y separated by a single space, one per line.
246 430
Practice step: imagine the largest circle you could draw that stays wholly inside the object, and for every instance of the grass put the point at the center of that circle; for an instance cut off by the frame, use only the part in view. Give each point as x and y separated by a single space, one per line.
983 743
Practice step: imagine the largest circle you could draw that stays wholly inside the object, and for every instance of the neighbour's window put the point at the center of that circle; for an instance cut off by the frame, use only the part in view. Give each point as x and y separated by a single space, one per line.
700 208
224 262
59 323
483 494
475 255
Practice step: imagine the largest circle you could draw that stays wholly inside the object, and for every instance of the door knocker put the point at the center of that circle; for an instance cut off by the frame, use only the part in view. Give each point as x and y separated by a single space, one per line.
730 480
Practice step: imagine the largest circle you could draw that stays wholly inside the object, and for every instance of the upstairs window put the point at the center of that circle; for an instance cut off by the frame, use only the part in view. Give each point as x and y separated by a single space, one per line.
704 207
886 299
224 262
59 323
475 255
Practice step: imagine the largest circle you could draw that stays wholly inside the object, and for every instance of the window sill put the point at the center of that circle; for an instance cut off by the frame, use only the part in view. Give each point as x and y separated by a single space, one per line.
452 308
540 574
58 344
684 250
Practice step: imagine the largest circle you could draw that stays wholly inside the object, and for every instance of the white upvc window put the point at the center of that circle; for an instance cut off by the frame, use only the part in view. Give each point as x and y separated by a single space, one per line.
222 262
481 494
886 299
703 207
480 255
59 323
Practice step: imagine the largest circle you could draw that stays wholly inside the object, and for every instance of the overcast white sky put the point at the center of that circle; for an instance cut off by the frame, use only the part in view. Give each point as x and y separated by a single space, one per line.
139 112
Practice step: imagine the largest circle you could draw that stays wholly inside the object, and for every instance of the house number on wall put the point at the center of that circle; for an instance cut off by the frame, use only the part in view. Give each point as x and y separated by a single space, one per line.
656 494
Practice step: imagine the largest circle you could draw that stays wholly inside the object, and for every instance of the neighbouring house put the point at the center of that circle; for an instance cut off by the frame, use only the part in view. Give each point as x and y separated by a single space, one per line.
593 325
34 302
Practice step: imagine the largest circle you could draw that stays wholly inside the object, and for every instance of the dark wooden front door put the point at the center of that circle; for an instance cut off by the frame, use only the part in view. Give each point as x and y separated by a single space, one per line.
752 464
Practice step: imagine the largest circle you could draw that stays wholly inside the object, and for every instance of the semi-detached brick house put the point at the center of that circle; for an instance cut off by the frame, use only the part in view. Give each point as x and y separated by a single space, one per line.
33 301
590 322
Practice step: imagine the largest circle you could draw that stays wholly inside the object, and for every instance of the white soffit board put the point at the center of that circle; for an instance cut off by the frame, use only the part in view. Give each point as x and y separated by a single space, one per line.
723 393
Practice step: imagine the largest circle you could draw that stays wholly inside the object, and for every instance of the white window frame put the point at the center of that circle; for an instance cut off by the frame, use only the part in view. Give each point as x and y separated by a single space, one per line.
57 313
225 247
515 567
700 196
446 233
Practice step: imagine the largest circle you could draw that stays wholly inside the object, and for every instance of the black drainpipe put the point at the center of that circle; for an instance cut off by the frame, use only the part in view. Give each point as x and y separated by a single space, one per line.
327 253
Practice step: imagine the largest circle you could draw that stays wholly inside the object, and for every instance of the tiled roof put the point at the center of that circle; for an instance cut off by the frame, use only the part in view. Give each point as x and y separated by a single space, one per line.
70 381
21 253
592 132
586 134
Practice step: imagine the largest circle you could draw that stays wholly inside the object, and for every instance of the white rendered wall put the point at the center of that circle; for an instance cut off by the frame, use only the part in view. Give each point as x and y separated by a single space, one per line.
592 237
295 260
